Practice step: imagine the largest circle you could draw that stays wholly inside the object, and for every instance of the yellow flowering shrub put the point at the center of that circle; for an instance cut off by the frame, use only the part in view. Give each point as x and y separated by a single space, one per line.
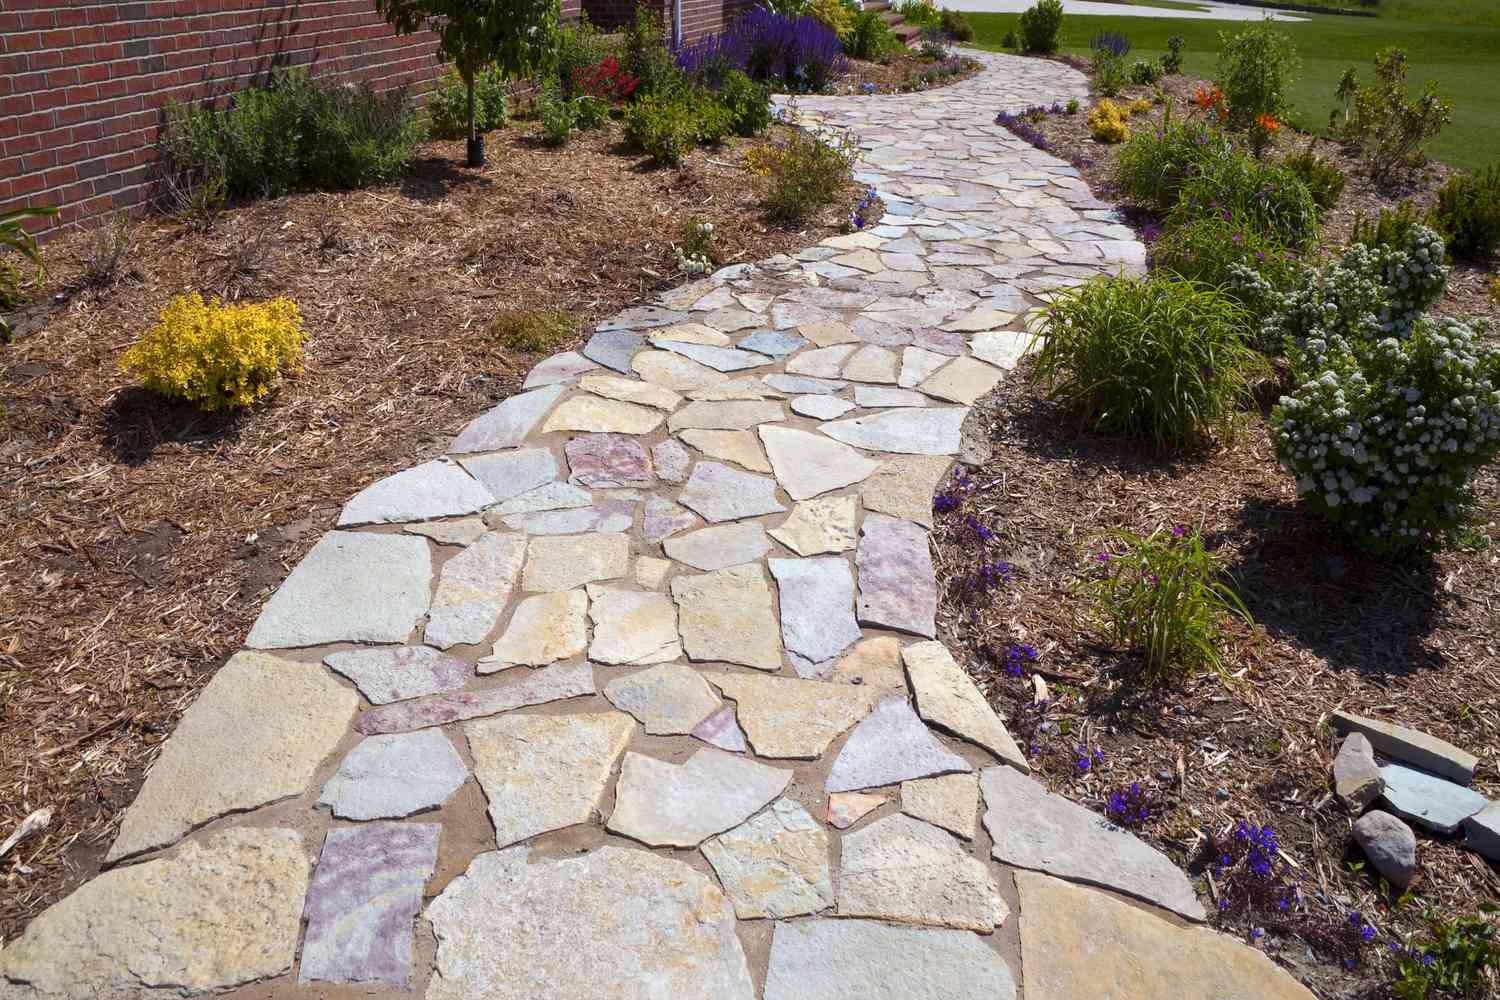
1107 122
763 159
834 14
1140 106
214 355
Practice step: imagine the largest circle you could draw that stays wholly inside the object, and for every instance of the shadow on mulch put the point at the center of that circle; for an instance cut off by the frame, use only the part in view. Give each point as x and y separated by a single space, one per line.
434 178
137 421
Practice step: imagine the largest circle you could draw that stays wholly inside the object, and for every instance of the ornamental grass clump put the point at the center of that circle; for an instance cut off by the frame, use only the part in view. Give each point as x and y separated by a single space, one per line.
1163 597
218 356
1158 357
1154 165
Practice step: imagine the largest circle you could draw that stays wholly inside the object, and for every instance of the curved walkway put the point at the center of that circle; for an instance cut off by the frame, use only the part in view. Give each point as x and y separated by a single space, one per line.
672 608
1207 10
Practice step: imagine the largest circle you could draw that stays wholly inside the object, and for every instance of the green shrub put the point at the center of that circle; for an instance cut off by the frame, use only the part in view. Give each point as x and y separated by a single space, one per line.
666 128
955 24
1391 228
1252 193
1208 250
1468 213
448 105
1256 67
805 174
1010 41
533 331
1171 61
1387 126
1144 72
647 57
559 115
1454 958
695 254
1324 179
1110 73
1163 597
15 239
1158 357
1154 166
748 103
1039 26
919 12
870 38
580 46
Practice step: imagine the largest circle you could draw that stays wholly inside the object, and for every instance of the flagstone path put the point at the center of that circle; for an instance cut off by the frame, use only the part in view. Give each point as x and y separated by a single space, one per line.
672 609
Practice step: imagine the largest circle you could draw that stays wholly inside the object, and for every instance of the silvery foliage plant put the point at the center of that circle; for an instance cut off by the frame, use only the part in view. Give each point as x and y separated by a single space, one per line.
1392 413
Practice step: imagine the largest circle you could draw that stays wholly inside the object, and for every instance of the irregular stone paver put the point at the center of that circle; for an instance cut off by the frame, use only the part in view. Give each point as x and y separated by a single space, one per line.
727 615
681 805
630 391
1416 748
719 546
1078 942
963 381
807 464
604 516
668 700
256 734
463 531
724 359
817 606
722 730
890 746
614 348
820 407
331 596
950 801
904 486
902 869
824 959
651 573
804 384
508 474
387 777
917 363
818 526
211 916
396 673
787 717
363 899
555 683
824 362
1426 799
674 372
562 562
740 447
624 920
775 865
897 588
549 496
720 493
545 628
472 592
545 772
606 416
1482 831
508 424
1032 828
879 396
847 808
1001 348
559 368
433 489
947 698
874 663
871 364
691 333
773 343
930 431
672 460
732 415
632 627
608 461
663 518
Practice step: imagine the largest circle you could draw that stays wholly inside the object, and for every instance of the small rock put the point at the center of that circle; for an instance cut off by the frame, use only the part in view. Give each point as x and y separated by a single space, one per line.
847 808
1482 831
1416 748
1389 844
1434 802
1356 778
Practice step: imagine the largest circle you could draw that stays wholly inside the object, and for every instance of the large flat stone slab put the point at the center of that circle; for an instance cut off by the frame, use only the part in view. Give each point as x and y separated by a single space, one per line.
545 772
904 486
731 415
672 371
830 959
719 546
545 628
890 746
926 431
681 805
256 734
787 717
547 497
554 683
740 447
332 595
897 587
509 424
873 663
608 461
614 348
720 493
817 606
950 802
902 869
1427 799
432 489
947 698
473 590
387 777
1416 748
212 916
775 865
807 464
624 921
562 562
818 526
670 699
607 516
563 367
1032 828
595 414
963 381
631 627
363 900
1482 831
1078 942
629 390
727 615
400 672
508 474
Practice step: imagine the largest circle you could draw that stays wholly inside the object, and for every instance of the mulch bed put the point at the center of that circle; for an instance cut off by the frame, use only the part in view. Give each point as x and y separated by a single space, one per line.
902 73
142 537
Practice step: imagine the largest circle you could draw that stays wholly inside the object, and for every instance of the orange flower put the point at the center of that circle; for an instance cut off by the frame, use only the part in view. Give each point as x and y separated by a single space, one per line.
1207 99
1223 110
1268 122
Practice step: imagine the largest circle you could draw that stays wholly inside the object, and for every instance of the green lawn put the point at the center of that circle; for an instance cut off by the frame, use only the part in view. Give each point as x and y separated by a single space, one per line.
1461 50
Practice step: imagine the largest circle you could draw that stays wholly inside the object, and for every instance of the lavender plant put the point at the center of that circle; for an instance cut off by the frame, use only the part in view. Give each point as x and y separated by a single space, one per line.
801 53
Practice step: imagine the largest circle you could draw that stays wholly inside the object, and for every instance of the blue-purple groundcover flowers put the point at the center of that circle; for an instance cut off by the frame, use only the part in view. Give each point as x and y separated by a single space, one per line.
802 53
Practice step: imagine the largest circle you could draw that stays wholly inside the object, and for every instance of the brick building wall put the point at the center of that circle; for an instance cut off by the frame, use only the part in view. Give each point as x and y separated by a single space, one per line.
82 83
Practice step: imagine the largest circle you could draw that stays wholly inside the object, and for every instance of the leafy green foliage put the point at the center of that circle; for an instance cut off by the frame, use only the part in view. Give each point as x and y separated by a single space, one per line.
647 57
1158 357
1455 958
665 128
448 104
1388 127
1252 193
919 12
1163 597
559 116
1207 250
580 47
870 38
1255 71
533 331
955 24
1324 179
1144 72
805 174
15 239
1391 228
1468 213
748 103
1171 62
1039 25
1154 166
1110 73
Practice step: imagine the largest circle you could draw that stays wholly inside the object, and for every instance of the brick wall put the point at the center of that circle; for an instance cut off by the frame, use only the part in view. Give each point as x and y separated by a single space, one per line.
82 83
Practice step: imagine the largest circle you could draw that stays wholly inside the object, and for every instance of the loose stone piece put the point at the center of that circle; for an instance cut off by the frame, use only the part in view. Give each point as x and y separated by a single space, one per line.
903 486
255 734
1419 749
668 700
544 629
775 865
565 680
871 364
902 869
562 562
926 431
1356 778
739 447
917 363
720 493
808 464
463 531
786 717
773 343
608 461
722 730
727 615
387 777
1032 828
672 460
626 921
817 606
897 588
508 474
733 415
331 596
1389 844
1482 831
847 808
210 917
545 772
629 390
723 359
395 673
719 546
950 801
825 362
833 959
818 526
632 627
1434 802
890 746
508 424
681 805
433 489
1078 942
475 587
362 902
595 414
963 381
663 518
873 663
879 396
949 699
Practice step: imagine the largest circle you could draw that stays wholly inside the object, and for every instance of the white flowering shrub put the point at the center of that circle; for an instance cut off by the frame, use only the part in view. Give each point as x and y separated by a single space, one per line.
695 255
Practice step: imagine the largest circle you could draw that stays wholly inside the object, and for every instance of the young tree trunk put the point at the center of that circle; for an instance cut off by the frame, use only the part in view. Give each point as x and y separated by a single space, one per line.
475 148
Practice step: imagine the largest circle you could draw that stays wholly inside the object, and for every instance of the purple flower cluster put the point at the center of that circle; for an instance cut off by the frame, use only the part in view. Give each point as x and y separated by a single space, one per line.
1022 128
1128 805
803 53
989 575
1017 656
1111 43
858 217
1088 757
